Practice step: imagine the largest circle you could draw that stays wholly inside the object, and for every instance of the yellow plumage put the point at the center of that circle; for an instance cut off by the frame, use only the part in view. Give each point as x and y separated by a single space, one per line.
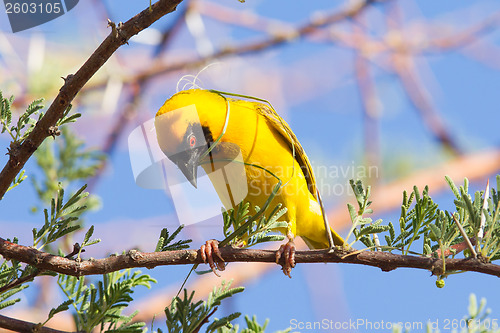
264 140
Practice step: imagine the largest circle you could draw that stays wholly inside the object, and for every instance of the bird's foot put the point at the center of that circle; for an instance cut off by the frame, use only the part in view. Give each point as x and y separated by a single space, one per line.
207 250
288 250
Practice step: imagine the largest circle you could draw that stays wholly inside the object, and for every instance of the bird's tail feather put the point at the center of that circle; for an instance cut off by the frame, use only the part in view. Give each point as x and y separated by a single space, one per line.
311 244
336 238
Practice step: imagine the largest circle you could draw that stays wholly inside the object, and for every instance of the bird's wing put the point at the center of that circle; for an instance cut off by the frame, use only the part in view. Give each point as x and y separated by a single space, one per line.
289 137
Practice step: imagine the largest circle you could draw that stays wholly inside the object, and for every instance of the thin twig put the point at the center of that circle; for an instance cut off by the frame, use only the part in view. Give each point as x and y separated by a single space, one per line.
25 326
205 320
36 272
454 249
464 235
130 110
403 64
253 47
20 281
118 36
465 37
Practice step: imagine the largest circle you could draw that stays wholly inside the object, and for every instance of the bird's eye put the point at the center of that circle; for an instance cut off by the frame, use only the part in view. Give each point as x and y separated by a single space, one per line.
192 140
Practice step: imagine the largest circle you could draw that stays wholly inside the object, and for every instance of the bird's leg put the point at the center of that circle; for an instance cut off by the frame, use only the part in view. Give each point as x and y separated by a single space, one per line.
212 247
288 250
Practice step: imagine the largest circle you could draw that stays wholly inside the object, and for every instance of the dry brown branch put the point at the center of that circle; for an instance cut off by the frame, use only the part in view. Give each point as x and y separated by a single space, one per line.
383 260
129 111
25 326
421 98
241 18
404 67
252 47
465 37
118 36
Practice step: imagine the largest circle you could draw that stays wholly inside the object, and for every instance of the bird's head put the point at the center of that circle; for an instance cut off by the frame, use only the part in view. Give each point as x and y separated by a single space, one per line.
184 132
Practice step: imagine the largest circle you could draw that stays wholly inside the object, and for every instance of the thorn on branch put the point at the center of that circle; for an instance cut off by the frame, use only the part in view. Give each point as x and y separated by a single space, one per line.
436 269
13 149
67 78
37 328
54 131
37 258
466 238
134 255
76 249
117 31
455 249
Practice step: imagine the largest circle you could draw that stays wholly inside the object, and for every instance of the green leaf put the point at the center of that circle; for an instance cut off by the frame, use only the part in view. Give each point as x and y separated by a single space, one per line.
88 234
18 180
416 192
184 315
392 232
453 187
165 242
70 119
62 307
4 297
435 232
76 197
352 212
5 111
427 250
223 322
102 304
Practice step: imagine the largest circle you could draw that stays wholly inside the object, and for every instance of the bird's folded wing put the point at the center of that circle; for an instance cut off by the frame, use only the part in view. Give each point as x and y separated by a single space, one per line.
289 137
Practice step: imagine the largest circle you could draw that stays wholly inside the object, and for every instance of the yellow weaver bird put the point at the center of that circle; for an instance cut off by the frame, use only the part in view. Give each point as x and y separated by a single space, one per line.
264 140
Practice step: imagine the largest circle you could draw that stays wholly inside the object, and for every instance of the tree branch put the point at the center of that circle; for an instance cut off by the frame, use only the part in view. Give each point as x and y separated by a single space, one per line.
253 47
138 89
118 36
25 326
384 260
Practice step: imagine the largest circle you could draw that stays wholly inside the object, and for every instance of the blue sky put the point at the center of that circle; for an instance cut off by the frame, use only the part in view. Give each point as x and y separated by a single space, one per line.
311 84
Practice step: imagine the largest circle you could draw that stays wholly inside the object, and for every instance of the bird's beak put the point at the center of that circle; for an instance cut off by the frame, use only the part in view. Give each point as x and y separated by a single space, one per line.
190 171
188 162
